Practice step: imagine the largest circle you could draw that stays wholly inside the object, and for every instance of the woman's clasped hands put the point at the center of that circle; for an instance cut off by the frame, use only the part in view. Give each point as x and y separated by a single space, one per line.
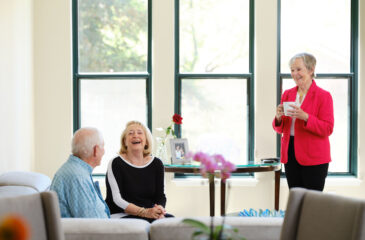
156 212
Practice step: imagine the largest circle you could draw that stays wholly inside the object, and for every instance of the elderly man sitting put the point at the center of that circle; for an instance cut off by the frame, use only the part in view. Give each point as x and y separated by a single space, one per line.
78 195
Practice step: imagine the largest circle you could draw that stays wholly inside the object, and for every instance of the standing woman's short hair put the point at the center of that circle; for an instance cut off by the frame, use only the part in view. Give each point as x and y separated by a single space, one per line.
308 59
149 140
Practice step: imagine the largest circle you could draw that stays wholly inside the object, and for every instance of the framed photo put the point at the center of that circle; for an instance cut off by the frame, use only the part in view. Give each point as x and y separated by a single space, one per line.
179 148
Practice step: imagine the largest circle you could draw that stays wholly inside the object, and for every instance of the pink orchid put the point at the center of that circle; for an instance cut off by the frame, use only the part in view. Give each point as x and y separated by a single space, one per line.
201 157
212 163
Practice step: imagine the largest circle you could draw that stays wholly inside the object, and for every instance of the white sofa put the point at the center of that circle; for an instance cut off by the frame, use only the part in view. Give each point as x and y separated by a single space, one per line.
22 183
251 228
108 229
15 184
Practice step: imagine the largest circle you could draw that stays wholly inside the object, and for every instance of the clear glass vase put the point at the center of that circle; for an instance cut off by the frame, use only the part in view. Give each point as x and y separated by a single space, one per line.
161 150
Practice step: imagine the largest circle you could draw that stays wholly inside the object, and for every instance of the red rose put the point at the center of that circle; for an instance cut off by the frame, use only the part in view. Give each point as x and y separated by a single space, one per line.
177 119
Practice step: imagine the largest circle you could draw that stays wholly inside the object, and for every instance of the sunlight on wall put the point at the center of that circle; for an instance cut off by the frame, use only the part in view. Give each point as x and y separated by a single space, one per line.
16 86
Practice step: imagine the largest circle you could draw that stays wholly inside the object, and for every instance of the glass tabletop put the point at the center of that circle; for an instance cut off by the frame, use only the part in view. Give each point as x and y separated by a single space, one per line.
248 165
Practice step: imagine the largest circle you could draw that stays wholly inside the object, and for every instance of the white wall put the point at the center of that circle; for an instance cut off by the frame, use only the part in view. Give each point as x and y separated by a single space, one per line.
16 86
53 100
53 84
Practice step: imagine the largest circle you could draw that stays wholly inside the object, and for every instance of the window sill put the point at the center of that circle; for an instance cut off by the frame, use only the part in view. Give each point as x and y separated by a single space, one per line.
333 181
343 181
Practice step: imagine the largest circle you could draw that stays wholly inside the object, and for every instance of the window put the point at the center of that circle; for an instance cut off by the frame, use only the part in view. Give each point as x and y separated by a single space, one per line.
112 67
328 30
214 76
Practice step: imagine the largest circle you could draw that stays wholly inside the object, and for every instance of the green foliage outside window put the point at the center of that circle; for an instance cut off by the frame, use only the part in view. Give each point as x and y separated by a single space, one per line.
113 35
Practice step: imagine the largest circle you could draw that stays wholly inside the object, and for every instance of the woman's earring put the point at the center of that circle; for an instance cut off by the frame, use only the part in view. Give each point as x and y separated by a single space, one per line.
146 146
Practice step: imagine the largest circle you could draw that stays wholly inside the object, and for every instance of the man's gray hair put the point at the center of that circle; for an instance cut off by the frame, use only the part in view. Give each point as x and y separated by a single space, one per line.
84 141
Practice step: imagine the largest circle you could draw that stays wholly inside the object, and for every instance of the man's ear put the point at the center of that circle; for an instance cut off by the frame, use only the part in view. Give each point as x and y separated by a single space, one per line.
95 149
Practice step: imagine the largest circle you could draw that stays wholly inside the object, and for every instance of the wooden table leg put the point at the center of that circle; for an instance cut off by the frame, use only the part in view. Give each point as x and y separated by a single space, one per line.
223 198
211 194
277 189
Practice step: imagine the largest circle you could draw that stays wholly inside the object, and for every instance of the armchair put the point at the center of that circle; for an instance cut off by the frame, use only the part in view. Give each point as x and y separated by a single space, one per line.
323 216
40 210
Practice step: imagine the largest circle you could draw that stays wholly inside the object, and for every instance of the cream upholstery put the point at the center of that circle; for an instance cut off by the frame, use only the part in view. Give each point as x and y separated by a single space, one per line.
110 229
42 211
251 228
18 183
19 191
39 210
316 215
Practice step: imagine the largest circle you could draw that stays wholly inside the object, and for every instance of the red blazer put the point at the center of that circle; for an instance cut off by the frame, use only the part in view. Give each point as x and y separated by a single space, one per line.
311 141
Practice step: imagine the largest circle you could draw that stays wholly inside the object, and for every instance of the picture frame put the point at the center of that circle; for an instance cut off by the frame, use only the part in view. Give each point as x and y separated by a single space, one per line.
179 148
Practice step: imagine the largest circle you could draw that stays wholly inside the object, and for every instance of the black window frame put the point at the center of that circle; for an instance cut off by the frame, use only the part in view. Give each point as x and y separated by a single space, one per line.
77 76
250 77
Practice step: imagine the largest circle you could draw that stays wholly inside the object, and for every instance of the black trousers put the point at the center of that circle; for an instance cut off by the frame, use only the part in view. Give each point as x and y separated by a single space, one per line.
310 177
167 215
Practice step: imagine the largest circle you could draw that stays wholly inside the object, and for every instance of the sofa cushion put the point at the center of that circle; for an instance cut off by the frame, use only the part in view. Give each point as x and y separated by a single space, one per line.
13 191
253 228
38 181
108 229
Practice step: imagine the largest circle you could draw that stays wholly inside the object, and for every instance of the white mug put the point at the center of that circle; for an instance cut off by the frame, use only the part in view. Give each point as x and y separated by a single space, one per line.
287 107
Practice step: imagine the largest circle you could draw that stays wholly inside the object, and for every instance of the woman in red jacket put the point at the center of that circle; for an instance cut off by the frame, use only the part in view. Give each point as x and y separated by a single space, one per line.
305 129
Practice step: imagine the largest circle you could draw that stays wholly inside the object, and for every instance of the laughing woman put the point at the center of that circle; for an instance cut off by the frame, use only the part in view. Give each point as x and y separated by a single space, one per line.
135 179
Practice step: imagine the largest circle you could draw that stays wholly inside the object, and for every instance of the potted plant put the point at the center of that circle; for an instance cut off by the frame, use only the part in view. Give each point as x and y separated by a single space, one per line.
210 166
